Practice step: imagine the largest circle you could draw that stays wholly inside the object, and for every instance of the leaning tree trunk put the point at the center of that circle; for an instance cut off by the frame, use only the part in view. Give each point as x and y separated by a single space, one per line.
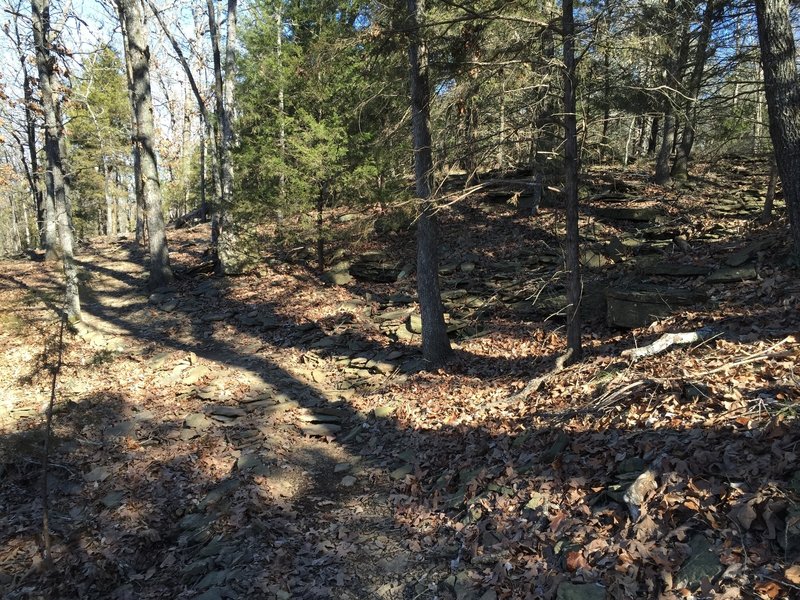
435 343
782 86
674 63
574 287
56 186
139 55
680 168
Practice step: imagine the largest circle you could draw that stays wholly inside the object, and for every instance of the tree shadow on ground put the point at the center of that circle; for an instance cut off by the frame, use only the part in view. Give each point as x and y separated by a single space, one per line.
515 504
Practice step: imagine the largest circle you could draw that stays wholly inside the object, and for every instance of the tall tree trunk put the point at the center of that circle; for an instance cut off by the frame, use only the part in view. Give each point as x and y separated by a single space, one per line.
139 54
674 63
574 287
34 178
680 168
782 86
203 198
605 146
136 150
662 160
16 237
219 200
766 214
281 105
40 10
652 140
435 343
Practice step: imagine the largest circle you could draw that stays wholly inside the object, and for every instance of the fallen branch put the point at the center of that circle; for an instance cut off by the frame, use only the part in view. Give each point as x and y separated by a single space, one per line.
668 340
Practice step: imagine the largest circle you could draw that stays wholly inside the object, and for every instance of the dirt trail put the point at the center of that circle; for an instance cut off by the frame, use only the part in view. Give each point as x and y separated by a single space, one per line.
195 460
272 436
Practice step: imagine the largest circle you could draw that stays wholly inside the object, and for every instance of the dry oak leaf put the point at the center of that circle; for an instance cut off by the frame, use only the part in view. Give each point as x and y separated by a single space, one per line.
792 574
769 590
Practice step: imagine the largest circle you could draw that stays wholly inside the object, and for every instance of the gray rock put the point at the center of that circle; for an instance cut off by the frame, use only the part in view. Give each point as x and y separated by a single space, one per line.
414 323
197 421
732 274
250 461
640 307
580 591
703 563
338 274
593 260
630 213
221 491
401 472
220 410
98 474
319 429
673 270
113 499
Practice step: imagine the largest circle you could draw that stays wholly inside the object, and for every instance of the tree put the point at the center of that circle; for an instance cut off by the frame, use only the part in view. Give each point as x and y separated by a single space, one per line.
53 135
680 168
31 164
574 288
782 83
99 131
132 17
435 343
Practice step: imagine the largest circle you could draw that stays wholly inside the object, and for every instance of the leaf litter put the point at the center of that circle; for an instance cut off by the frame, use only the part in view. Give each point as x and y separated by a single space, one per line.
201 432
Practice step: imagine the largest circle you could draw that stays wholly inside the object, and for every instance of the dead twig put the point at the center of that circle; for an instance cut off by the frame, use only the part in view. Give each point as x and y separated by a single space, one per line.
756 357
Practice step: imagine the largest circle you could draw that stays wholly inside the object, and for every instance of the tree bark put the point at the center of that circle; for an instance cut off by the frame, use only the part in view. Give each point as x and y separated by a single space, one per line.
139 55
34 178
674 63
435 343
680 168
574 287
662 160
56 186
222 135
136 153
766 214
782 87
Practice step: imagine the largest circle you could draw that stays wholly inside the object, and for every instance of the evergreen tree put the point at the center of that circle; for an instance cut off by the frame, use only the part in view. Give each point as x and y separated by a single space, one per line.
99 135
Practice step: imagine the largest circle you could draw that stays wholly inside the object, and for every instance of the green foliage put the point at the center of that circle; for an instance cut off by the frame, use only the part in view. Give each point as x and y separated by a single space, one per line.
328 142
98 130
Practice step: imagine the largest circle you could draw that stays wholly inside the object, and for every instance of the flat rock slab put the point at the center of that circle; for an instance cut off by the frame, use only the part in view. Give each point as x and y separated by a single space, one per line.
737 259
629 213
221 410
580 591
733 274
641 307
672 270
197 421
122 430
319 429
702 564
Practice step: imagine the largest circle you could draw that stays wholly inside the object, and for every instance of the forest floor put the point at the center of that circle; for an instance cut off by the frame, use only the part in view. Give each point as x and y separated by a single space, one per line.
274 435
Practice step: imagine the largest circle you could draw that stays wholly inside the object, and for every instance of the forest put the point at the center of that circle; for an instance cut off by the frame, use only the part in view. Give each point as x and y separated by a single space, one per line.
479 300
